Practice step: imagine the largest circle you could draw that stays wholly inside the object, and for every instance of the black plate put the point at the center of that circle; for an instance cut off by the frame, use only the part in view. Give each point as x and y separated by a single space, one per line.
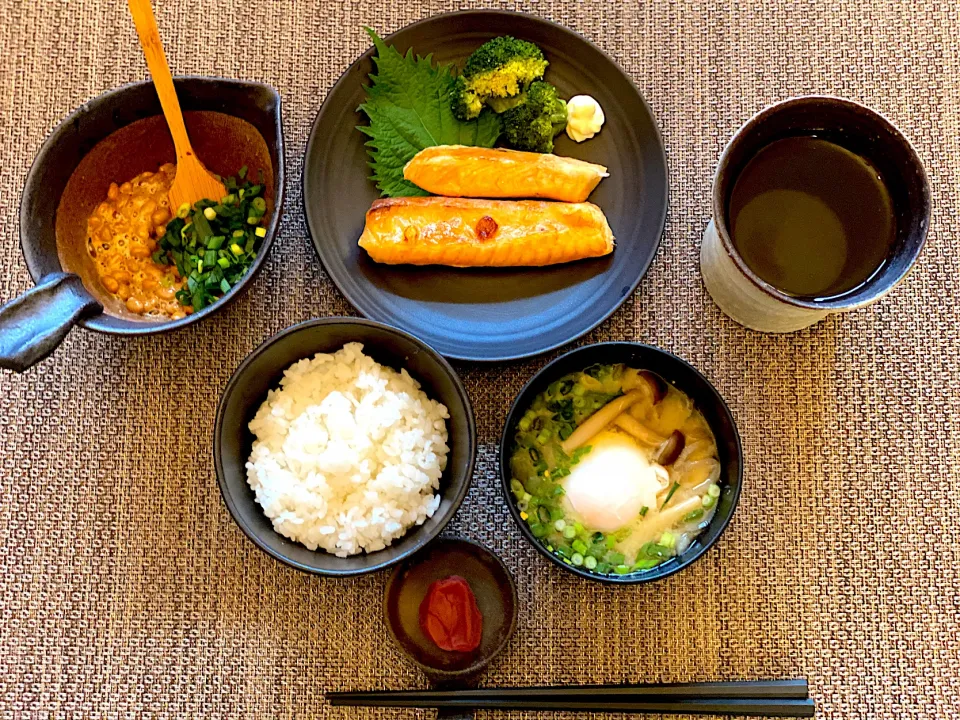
492 314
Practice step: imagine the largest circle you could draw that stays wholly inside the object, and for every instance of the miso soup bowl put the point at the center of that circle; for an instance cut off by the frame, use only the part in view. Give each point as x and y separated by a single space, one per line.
262 371
685 378
113 138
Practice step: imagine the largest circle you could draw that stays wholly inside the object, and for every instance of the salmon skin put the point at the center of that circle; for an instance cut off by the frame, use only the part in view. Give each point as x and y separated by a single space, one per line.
483 233
460 171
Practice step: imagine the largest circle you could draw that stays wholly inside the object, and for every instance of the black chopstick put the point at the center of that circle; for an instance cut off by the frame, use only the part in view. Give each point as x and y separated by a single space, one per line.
753 707
766 698
744 689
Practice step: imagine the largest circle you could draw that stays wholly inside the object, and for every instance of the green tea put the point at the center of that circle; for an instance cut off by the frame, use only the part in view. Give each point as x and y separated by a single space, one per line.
811 218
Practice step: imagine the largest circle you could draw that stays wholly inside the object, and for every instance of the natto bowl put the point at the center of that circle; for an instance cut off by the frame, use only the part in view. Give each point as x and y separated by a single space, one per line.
112 138
262 370
684 377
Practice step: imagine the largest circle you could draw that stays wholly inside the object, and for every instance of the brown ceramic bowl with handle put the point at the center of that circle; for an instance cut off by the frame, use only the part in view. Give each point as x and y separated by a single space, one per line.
112 138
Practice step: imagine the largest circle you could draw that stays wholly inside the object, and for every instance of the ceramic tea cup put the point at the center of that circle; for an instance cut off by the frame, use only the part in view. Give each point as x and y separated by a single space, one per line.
757 304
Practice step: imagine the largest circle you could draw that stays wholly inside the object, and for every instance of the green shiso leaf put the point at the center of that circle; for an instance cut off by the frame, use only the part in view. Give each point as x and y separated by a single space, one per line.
408 106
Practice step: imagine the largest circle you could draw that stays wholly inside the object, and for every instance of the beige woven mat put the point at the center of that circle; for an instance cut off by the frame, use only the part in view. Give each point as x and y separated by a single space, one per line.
126 589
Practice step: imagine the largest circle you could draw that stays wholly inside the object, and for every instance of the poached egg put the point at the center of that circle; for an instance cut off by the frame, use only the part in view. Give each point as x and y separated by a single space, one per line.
612 483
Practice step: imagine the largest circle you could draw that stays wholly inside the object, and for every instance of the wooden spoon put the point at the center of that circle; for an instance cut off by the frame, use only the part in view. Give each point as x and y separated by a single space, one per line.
193 181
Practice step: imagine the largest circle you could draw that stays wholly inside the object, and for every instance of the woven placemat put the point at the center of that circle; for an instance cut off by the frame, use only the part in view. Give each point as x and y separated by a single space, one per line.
126 589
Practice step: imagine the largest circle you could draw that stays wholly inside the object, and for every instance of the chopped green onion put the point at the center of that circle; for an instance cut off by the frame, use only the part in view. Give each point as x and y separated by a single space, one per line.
713 491
668 540
693 515
709 501
653 550
673 489
646 563
615 558
569 532
577 559
524 422
622 569
210 214
590 562
580 546
236 249
560 525
644 510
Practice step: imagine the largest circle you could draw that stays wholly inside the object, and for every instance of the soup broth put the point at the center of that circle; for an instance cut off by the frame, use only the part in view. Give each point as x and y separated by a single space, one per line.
811 218
615 470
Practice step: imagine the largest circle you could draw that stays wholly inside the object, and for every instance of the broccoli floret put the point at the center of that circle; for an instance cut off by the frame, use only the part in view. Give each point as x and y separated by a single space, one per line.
533 124
496 72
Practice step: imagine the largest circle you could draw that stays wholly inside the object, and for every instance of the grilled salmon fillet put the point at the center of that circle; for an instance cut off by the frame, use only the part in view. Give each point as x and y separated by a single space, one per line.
483 233
460 171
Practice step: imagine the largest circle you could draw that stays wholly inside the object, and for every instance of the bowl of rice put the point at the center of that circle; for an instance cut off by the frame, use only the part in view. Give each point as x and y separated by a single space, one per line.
342 446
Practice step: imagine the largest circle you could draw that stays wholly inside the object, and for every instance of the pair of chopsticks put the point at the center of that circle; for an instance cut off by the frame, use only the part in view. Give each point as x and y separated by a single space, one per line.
762 698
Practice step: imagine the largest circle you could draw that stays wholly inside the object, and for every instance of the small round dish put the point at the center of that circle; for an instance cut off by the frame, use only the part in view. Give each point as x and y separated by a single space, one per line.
492 314
496 595
261 371
684 377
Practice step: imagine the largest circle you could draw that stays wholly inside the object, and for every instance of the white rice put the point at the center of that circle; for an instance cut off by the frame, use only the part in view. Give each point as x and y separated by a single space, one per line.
347 453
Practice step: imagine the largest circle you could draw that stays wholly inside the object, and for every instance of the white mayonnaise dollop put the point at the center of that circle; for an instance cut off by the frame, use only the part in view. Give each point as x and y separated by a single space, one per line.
584 117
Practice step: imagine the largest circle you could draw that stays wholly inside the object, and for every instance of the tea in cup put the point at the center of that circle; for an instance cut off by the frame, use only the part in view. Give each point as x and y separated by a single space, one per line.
820 205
